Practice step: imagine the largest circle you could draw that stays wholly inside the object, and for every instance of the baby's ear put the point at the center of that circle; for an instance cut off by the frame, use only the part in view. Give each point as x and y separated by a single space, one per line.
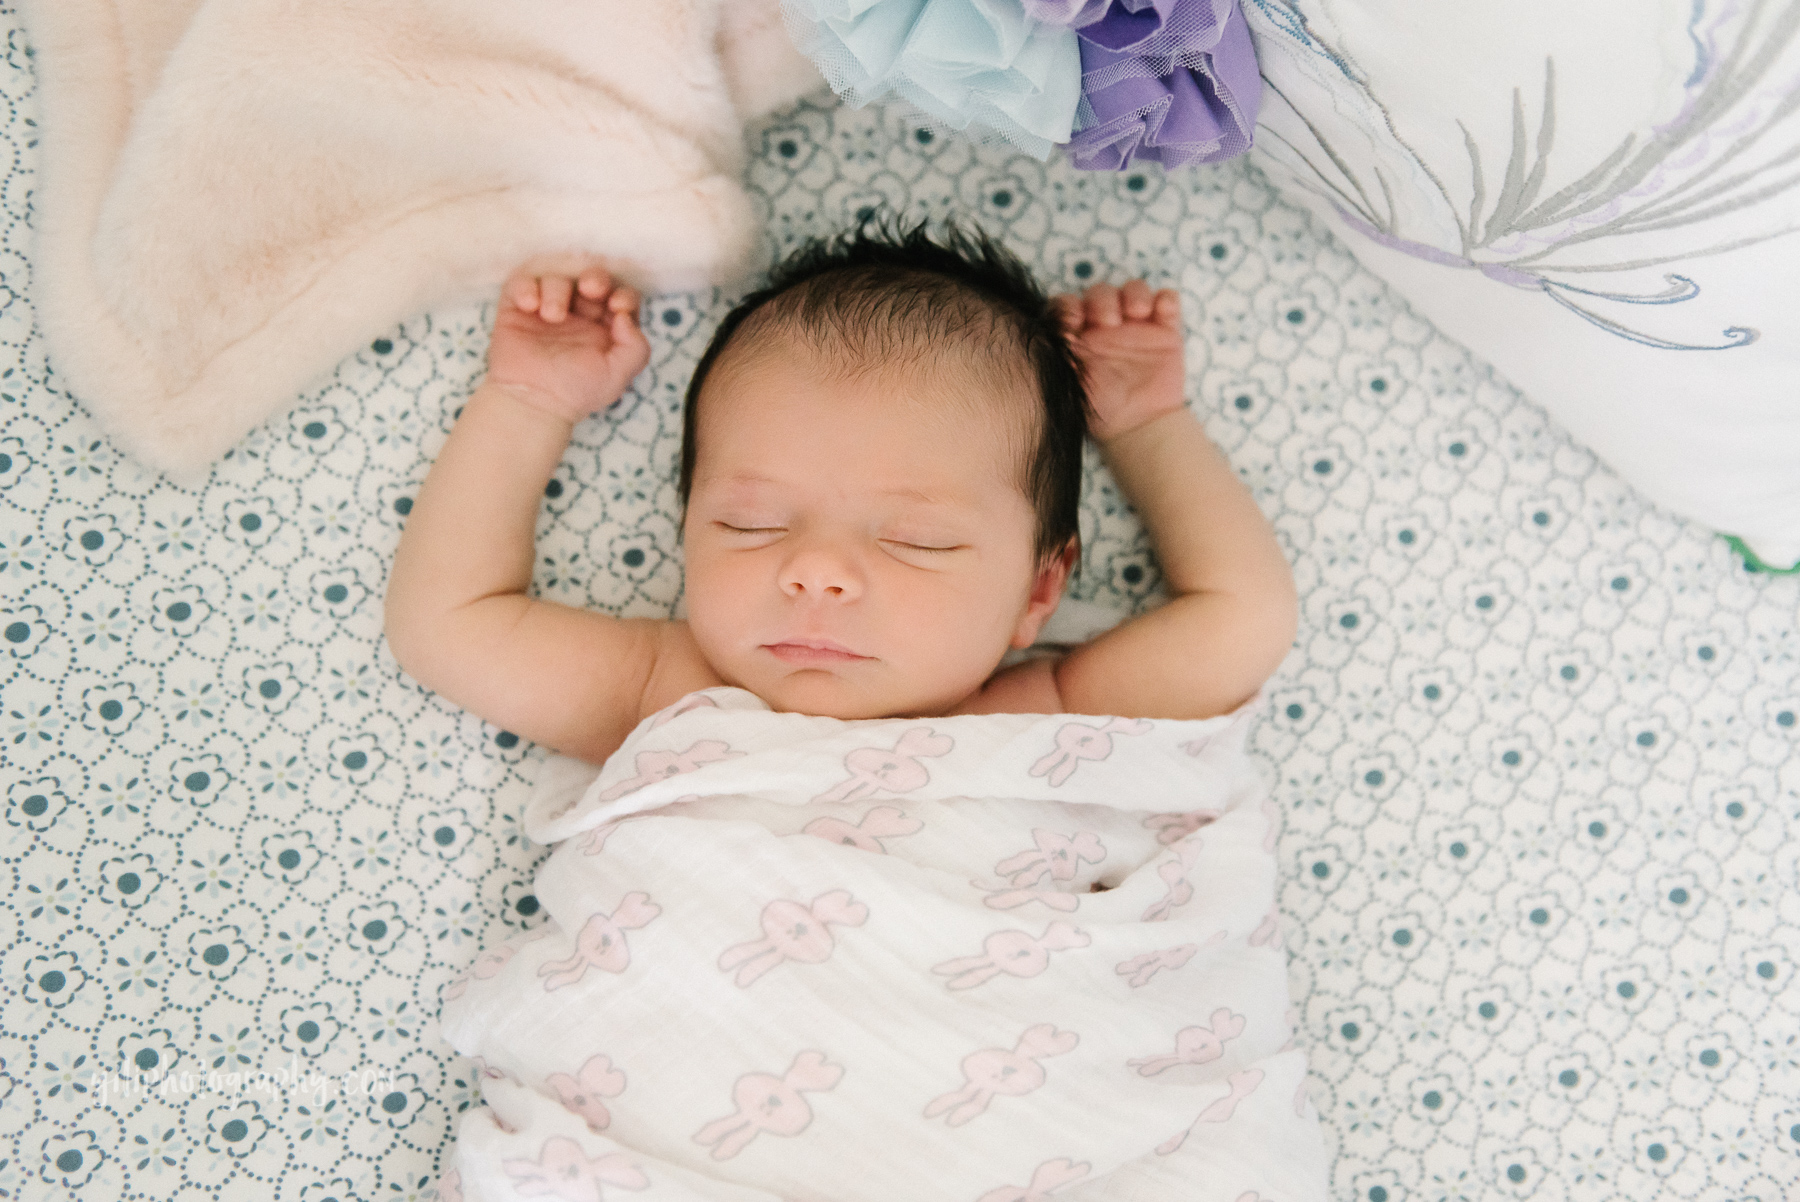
1046 592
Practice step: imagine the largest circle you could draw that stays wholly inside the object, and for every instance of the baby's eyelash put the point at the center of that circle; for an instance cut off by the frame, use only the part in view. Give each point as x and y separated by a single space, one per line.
728 528
922 547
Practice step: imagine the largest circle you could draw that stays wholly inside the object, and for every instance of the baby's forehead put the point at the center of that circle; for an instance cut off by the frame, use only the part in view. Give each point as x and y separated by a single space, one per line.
953 373
951 391
965 404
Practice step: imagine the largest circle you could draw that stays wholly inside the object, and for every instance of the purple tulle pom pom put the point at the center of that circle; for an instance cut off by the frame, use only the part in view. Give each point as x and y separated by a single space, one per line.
1167 81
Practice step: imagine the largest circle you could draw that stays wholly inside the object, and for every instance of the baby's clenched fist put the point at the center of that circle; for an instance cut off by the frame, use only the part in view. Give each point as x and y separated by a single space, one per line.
566 339
1129 341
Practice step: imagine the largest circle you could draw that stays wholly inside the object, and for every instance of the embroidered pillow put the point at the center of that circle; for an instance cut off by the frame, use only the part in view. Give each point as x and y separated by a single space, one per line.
1598 199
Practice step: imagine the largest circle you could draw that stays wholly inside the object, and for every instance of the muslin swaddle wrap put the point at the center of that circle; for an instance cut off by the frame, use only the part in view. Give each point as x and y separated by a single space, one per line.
982 957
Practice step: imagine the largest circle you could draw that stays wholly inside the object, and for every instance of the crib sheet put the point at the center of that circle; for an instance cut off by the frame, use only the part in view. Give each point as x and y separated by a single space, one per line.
1536 742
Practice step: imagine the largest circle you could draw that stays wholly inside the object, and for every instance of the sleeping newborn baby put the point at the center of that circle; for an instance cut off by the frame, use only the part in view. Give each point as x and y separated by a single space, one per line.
851 912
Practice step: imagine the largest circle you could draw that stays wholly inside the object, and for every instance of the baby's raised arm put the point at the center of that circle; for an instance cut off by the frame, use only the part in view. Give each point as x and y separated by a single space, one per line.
1232 613
458 616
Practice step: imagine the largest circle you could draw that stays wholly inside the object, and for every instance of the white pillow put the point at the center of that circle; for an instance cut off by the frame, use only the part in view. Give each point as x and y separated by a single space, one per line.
1579 193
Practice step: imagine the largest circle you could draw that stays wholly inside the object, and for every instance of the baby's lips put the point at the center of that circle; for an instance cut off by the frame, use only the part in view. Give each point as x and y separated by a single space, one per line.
818 644
813 652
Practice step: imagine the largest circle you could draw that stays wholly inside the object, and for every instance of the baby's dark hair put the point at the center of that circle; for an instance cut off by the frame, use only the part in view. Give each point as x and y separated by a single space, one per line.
879 293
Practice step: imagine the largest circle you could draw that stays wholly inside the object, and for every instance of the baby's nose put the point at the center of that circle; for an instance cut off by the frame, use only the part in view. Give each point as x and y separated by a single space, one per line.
822 569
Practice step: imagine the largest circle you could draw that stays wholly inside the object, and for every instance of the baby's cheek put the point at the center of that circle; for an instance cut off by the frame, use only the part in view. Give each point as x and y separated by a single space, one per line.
974 635
717 608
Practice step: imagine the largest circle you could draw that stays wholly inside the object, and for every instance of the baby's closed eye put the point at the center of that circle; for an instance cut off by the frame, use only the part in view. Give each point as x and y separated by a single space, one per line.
746 534
929 545
925 554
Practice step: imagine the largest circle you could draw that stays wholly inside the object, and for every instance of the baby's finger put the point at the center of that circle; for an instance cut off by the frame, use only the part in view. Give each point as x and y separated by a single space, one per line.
1137 301
626 300
522 292
624 328
1168 307
554 292
1103 305
1067 310
594 283
588 308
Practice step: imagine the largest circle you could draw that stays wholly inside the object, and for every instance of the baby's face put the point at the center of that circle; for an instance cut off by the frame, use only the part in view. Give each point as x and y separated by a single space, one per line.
859 547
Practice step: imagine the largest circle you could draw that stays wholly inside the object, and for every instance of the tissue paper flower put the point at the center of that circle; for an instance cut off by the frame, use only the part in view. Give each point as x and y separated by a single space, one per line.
963 62
1168 81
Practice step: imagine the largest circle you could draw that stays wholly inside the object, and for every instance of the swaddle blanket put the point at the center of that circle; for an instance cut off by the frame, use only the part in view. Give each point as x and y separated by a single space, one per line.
980 957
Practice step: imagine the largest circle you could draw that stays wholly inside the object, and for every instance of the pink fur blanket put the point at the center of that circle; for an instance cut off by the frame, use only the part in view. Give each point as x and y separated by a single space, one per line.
236 193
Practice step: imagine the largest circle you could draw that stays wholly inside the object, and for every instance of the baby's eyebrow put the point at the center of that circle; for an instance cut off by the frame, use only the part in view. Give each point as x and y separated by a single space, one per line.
734 480
904 493
914 494
950 505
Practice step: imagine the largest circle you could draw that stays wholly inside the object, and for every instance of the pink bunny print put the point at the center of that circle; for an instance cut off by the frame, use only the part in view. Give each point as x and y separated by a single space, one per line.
769 1103
1014 953
1007 898
1197 746
873 769
491 1073
594 842
1292 1020
882 822
1172 828
1241 1085
653 766
486 965
1058 857
489 963
1078 741
1140 969
794 932
1174 875
601 942
1195 1045
997 1072
449 1188
582 1093
1049 1176
687 705
1268 931
562 1170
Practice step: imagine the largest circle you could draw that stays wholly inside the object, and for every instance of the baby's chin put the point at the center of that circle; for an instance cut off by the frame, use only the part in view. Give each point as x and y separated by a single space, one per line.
823 694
